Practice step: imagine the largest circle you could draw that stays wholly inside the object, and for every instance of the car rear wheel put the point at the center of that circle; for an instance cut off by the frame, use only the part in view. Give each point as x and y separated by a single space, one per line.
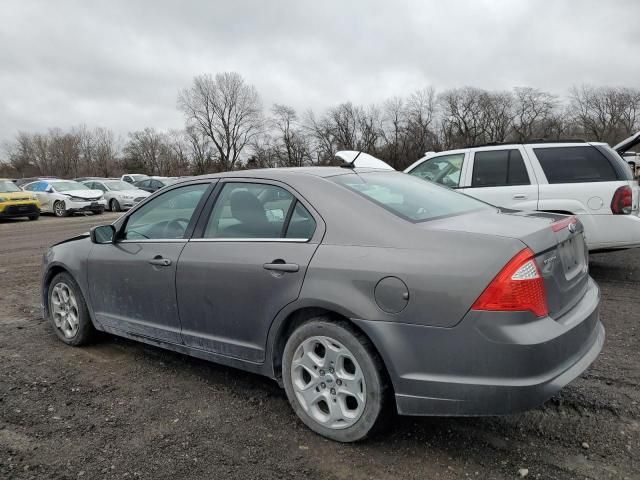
59 209
334 380
114 205
68 311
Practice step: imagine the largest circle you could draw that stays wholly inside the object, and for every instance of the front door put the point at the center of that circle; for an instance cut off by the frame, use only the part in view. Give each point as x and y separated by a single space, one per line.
249 263
132 281
502 177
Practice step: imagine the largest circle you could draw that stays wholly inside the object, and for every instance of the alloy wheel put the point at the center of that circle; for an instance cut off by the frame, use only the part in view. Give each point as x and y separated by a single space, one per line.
328 382
64 309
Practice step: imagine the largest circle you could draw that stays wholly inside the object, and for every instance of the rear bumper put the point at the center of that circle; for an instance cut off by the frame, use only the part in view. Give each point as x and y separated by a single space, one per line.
610 232
492 363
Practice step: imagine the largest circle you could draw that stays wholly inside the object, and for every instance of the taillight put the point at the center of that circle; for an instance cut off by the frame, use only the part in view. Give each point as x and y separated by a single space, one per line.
621 202
563 223
518 287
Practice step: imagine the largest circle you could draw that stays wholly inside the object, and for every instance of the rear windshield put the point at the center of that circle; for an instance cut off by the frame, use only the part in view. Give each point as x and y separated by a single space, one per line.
409 197
575 165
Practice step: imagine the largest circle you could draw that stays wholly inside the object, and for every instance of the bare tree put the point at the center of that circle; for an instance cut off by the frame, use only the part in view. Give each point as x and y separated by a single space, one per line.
605 113
533 112
226 110
292 144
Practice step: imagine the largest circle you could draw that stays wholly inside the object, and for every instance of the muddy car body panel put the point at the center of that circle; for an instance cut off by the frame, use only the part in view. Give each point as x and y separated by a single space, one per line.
408 276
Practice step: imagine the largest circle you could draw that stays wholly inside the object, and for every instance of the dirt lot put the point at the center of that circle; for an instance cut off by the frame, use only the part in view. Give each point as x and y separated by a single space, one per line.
119 409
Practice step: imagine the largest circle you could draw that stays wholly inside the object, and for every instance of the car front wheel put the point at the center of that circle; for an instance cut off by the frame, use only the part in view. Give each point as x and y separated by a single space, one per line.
59 209
334 380
114 205
68 311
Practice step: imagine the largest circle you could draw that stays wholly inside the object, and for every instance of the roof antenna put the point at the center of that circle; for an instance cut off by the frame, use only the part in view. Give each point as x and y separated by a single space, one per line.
352 163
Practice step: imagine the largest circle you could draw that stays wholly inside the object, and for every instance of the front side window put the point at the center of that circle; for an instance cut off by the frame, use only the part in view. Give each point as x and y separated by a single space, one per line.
409 197
250 210
575 164
499 168
167 216
444 170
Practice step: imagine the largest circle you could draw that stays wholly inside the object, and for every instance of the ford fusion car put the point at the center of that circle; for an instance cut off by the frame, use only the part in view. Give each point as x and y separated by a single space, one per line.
355 288
118 194
65 197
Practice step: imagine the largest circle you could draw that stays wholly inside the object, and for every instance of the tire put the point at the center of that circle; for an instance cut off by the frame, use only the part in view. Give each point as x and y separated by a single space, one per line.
72 332
59 209
114 205
98 212
34 217
367 412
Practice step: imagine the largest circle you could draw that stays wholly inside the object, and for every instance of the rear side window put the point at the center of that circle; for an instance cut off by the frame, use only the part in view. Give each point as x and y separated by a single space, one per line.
499 168
575 165
250 210
409 197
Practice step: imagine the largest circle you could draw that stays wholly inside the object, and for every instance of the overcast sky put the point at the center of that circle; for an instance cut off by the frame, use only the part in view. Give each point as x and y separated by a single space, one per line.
120 64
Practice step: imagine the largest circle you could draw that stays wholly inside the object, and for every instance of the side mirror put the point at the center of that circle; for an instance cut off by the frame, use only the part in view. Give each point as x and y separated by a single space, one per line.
102 234
49 189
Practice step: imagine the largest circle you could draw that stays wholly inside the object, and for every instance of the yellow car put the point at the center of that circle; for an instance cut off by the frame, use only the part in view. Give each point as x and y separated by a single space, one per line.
15 203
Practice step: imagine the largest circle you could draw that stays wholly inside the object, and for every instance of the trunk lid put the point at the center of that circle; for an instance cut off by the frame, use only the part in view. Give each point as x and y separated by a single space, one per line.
557 243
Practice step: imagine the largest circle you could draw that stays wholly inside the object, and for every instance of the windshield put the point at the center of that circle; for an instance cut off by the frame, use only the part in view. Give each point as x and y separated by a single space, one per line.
409 197
7 186
118 185
67 186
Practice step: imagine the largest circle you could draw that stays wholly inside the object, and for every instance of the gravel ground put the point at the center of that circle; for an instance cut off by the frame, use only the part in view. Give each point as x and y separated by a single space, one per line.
120 409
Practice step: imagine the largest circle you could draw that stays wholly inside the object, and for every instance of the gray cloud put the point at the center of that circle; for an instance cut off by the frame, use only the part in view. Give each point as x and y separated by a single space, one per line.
120 64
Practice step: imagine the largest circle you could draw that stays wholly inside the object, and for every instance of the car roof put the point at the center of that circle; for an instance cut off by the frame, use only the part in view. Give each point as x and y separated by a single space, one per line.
288 172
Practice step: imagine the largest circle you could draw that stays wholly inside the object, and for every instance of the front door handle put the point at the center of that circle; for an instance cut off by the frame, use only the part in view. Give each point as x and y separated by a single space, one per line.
159 261
281 266
519 196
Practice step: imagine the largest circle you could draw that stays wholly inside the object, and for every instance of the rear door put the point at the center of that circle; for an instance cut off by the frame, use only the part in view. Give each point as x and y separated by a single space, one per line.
246 262
503 177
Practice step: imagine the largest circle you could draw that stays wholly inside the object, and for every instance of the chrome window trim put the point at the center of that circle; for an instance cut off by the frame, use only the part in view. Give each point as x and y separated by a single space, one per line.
155 240
279 240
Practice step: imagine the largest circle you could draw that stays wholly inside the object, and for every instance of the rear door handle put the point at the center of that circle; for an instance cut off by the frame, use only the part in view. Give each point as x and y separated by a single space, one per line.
160 262
519 196
281 266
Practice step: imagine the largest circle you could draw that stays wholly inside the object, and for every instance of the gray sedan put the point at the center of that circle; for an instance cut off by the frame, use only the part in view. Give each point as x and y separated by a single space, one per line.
361 291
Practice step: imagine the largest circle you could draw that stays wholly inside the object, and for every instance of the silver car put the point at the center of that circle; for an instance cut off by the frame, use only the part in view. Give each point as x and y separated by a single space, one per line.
360 291
118 194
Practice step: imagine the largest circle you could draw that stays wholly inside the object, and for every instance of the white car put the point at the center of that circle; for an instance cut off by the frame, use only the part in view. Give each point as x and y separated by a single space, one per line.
589 180
118 194
133 177
64 197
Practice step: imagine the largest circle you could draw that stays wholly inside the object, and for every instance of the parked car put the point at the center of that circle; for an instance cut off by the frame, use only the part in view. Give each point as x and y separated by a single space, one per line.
15 203
118 194
65 197
133 177
356 289
589 180
153 184
23 181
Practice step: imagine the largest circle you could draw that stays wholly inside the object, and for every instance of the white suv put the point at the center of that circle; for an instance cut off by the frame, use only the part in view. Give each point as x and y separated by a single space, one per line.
589 180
